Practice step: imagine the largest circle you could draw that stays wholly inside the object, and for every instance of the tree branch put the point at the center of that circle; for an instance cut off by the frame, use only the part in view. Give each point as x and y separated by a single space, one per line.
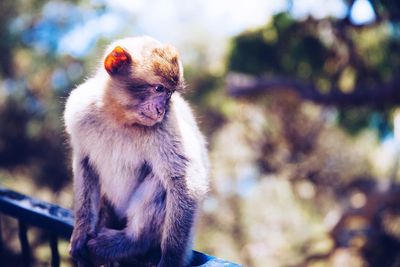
388 94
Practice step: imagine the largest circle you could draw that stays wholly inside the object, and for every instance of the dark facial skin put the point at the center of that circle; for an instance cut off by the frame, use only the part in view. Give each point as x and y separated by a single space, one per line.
149 102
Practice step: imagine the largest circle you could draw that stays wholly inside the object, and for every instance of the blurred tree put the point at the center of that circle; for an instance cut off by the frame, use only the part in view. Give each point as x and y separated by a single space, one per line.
34 80
281 161
329 61
312 79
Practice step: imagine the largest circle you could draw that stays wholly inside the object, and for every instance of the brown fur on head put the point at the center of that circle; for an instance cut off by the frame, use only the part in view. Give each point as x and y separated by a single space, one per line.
143 74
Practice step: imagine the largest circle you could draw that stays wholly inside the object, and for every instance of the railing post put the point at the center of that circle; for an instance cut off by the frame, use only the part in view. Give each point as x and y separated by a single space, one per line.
1 239
23 238
55 256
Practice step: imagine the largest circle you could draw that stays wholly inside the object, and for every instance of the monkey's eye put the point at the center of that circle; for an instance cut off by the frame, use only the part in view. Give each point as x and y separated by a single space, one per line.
159 88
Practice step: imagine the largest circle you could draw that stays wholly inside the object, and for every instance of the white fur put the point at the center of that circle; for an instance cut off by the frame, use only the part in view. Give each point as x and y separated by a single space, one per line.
117 152
194 147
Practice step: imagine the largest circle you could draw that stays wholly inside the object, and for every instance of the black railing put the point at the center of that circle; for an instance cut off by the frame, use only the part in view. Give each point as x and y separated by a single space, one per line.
59 222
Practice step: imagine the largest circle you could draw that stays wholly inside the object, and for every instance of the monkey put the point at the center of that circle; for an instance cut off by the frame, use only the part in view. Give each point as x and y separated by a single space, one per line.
139 161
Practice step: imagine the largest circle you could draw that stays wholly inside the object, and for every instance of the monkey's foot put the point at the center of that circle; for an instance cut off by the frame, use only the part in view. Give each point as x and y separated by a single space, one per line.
102 248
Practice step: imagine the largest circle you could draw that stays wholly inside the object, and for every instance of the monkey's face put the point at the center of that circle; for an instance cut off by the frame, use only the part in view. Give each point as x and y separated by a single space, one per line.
144 74
148 104
133 103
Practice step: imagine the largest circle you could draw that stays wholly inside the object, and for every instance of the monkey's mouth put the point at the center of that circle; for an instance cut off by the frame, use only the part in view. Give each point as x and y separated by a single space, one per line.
155 119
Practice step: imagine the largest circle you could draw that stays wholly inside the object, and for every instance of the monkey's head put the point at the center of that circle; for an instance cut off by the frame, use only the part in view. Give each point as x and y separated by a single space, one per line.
143 75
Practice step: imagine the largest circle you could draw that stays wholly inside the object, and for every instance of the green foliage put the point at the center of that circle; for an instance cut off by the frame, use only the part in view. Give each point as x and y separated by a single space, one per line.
332 156
330 53
355 120
282 47
250 54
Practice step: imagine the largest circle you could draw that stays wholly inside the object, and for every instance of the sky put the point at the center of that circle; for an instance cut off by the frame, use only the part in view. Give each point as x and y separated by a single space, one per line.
205 24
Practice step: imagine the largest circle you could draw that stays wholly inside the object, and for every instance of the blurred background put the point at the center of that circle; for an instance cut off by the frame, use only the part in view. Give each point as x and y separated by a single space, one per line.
298 99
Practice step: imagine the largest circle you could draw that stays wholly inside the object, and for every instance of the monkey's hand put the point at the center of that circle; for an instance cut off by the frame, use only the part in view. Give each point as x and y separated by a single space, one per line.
167 261
78 249
101 247
162 263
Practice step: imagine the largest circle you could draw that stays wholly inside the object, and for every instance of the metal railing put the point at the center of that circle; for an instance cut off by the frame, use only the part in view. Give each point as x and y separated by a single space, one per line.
59 222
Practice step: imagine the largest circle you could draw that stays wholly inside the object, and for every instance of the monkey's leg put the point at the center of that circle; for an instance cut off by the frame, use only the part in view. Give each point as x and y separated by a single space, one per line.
180 213
86 191
115 245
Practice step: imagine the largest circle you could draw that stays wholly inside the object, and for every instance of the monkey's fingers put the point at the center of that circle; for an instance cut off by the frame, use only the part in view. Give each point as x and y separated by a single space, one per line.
96 257
78 249
92 234
81 263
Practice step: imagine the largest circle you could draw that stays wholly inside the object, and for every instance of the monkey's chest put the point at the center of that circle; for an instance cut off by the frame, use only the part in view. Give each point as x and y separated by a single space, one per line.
128 186
125 172
142 209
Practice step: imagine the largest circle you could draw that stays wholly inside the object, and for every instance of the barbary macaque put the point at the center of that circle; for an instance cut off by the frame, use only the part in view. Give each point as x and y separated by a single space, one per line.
139 161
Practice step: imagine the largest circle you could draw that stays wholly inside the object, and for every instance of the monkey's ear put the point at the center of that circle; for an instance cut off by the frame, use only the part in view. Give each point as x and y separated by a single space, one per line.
117 61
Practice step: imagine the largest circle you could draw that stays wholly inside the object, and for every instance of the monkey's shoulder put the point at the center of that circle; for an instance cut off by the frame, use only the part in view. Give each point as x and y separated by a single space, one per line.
82 105
194 148
186 123
182 110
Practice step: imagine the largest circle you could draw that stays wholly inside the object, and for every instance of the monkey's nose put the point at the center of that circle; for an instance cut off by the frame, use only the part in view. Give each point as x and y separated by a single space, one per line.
160 111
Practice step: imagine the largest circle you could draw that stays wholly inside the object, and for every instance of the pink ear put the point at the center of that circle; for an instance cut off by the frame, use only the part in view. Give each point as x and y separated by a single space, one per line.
117 60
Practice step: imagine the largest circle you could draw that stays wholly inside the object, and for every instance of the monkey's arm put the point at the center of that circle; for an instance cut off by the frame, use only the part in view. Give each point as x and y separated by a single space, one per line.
86 194
186 184
180 215
111 245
